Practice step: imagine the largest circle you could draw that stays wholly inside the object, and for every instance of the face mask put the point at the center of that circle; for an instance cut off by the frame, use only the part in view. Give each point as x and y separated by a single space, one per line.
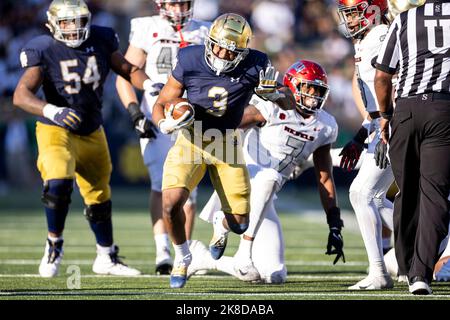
311 102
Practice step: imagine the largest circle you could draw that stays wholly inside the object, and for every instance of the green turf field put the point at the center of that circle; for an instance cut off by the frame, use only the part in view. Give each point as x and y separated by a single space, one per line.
311 274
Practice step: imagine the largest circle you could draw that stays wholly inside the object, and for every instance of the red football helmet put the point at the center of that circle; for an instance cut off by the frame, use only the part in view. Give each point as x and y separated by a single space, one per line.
308 82
358 15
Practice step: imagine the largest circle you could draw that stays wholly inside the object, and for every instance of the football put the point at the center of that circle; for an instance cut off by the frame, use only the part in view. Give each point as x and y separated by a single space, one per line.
181 105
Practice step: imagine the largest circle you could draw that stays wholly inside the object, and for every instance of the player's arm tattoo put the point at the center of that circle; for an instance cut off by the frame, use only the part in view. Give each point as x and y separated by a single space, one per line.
252 117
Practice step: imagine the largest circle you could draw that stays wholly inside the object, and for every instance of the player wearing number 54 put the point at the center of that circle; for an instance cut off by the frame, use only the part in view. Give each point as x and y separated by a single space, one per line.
71 65
219 78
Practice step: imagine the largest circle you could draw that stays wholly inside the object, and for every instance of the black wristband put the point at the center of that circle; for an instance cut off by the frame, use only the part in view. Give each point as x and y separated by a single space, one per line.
361 135
135 112
334 218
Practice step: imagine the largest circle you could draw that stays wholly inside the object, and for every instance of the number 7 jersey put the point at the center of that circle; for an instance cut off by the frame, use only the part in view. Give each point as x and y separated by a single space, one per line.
286 139
74 77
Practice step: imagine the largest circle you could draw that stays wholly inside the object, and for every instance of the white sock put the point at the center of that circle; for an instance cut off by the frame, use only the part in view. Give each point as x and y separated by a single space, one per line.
54 239
162 241
219 228
245 249
181 251
104 250
370 225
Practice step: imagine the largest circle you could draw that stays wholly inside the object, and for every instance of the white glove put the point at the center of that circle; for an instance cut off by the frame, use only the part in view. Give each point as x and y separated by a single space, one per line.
267 88
169 124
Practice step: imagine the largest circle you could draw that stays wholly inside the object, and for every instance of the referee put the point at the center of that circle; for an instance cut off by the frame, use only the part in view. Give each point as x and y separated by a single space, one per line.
417 46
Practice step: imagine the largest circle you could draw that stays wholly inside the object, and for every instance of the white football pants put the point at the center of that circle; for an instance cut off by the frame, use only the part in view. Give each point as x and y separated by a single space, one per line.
372 209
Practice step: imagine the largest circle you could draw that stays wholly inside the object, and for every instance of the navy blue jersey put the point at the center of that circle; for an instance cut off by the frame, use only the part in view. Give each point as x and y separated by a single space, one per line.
219 100
74 77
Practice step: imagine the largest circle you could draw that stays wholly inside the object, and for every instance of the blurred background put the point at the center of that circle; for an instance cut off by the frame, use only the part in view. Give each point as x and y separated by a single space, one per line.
285 29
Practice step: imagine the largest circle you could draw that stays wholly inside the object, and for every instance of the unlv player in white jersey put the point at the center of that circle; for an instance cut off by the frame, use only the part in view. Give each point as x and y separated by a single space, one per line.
154 42
277 141
365 21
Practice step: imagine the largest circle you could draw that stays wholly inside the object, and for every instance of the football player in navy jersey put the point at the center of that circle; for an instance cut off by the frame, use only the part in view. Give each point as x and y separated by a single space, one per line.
219 78
71 66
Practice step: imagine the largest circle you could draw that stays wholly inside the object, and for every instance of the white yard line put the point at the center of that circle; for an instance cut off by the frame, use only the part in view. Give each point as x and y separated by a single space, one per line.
223 294
147 262
293 277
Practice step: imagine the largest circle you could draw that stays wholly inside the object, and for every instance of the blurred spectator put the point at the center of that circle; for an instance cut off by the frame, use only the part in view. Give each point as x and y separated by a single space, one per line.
206 10
275 19
286 29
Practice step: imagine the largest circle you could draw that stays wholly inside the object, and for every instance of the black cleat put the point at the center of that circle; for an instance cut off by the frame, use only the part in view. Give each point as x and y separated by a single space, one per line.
163 269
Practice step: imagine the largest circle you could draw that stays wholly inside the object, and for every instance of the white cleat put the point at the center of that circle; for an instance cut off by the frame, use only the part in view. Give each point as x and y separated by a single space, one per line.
201 259
164 262
110 264
444 272
374 283
246 271
402 278
51 260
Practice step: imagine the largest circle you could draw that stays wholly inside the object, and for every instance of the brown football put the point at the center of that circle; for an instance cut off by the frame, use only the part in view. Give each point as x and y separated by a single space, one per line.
181 105
440 263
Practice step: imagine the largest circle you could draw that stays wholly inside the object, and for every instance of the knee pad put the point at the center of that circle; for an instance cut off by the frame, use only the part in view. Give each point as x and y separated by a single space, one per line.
238 228
98 213
56 193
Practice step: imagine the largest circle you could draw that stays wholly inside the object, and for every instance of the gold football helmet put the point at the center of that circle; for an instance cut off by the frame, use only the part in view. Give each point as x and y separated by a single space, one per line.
398 6
232 32
69 21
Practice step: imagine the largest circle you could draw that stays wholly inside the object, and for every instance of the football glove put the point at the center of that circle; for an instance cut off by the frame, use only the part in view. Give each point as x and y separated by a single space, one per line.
169 124
63 116
267 88
153 88
352 150
143 126
335 243
381 159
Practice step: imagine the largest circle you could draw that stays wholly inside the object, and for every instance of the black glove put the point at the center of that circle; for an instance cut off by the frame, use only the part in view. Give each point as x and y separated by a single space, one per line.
381 159
335 243
144 127
353 149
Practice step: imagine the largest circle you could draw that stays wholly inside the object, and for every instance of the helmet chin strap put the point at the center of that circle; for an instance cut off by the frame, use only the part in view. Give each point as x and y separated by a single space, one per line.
219 65
183 43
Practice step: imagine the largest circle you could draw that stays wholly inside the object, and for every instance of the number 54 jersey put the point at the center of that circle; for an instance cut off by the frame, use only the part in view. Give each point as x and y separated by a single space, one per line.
74 77
286 139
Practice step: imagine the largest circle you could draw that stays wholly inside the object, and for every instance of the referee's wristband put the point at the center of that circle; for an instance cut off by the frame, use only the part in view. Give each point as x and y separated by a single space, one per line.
386 115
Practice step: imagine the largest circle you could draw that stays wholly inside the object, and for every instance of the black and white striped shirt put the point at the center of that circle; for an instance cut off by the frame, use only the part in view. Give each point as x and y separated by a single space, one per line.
418 47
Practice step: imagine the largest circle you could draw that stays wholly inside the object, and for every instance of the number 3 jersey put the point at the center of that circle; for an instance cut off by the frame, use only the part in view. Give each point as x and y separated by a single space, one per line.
219 100
286 139
158 39
74 77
